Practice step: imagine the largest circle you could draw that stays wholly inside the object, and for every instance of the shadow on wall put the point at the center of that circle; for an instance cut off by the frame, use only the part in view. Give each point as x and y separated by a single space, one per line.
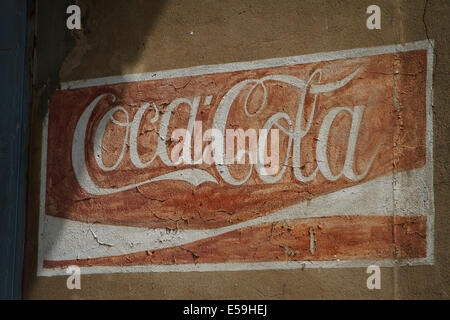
59 57
122 28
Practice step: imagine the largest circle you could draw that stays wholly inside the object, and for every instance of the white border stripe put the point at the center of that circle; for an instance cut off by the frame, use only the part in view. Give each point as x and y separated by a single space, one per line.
249 65
42 195
240 266
429 149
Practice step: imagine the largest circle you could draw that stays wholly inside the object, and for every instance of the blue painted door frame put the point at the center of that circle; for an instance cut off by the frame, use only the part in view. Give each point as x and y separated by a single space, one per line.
14 130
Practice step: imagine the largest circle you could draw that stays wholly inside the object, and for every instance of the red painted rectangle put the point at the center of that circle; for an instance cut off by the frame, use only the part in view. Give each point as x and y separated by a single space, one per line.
344 126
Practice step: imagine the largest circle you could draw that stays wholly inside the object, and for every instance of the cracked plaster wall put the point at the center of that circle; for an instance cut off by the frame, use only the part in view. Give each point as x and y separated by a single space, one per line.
123 37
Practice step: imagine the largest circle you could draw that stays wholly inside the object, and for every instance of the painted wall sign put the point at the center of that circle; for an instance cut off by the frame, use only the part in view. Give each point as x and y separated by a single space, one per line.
322 160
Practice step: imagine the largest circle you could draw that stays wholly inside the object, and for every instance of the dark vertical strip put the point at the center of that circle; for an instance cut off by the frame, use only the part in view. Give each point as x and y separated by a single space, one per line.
14 130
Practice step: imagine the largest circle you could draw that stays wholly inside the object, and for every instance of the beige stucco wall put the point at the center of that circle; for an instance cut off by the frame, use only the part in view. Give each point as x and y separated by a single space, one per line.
124 37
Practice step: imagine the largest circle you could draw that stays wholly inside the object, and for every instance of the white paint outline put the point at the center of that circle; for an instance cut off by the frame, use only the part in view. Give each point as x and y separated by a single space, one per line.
238 266
230 67
248 65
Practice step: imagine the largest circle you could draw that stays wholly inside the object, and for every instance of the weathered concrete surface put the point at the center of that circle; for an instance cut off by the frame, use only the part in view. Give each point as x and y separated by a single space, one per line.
143 37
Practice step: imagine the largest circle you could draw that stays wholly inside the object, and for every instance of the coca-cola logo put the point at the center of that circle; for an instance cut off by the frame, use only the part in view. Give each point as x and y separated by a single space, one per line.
221 138
323 144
